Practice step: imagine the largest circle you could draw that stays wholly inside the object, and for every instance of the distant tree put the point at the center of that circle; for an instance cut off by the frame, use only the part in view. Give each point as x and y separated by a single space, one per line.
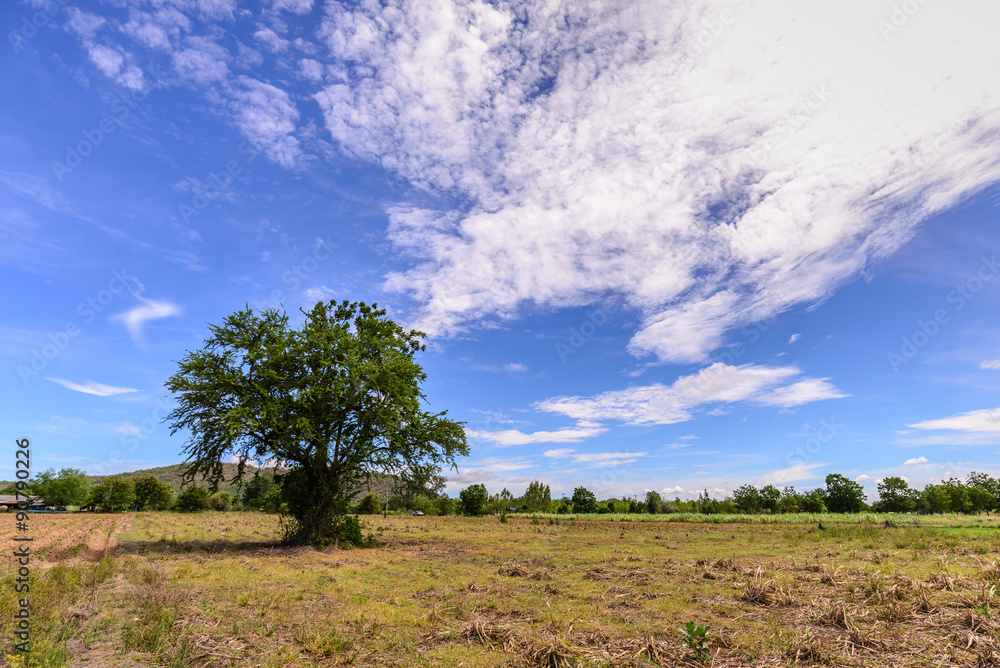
790 500
984 491
653 501
895 496
814 501
769 498
960 500
844 495
584 500
473 499
220 501
934 499
369 505
424 504
445 505
192 499
747 499
112 495
69 487
537 496
260 492
152 492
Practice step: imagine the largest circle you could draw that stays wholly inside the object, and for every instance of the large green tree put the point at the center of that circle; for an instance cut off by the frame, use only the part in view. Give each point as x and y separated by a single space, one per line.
337 401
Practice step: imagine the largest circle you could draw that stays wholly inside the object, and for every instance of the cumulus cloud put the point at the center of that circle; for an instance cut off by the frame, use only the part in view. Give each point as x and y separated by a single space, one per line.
267 116
707 187
987 420
90 387
719 383
862 478
915 461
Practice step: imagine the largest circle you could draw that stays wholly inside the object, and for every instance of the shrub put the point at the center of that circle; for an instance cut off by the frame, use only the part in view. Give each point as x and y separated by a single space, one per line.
192 500
221 501
369 505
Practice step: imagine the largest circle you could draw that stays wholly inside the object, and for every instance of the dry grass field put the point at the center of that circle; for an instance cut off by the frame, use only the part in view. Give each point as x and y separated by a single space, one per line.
213 589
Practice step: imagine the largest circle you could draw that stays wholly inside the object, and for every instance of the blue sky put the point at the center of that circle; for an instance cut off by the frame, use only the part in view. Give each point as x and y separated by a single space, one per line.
654 249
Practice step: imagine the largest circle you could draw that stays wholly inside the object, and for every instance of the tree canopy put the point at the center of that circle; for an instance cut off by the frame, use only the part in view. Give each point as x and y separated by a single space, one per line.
69 487
337 401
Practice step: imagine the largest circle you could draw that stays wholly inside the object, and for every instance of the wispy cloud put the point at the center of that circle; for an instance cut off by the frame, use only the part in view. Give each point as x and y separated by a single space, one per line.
90 387
990 364
509 437
987 420
135 319
795 473
794 337
719 383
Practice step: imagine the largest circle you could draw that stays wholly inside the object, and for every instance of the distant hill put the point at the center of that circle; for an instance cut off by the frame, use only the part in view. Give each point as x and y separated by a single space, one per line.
172 476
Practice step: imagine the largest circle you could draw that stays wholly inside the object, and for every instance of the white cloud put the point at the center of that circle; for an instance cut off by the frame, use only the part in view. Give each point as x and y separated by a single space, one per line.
560 453
990 364
137 317
673 490
311 69
677 446
794 473
508 437
266 116
201 61
668 404
794 337
90 387
293 6
271 40
987 420
754 175
127 429
862 478
607 458
915 461
515 367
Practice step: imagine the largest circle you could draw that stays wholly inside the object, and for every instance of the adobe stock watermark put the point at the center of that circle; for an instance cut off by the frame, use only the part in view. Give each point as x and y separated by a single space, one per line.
899 16
794 120
958 297
585 331
713 27
827 430
120 109
215 183
133 436
18 37
58 341
322 251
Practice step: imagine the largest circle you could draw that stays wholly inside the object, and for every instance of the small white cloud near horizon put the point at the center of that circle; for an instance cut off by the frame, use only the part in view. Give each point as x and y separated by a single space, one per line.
796 472
673 490
794 338
915 461
862 478
90 387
